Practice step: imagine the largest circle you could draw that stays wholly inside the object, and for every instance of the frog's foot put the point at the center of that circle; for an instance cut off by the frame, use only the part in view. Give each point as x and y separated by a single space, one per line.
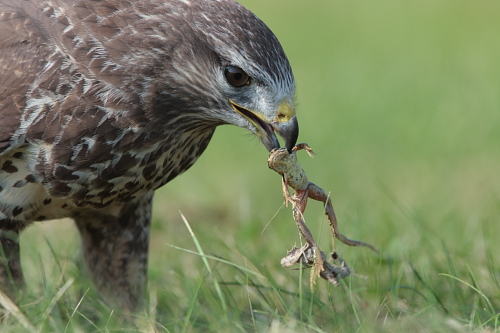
315 258
304 146
308 256
295 255
334 273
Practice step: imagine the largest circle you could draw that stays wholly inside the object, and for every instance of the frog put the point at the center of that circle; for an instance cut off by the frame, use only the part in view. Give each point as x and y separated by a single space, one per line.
286 164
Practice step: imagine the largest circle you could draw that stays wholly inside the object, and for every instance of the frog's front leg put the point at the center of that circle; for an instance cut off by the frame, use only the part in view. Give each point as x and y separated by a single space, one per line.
316 193
286 191
304 146
334 273
294 256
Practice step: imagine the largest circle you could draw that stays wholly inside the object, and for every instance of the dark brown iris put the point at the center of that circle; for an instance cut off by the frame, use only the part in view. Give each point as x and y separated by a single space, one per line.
236 76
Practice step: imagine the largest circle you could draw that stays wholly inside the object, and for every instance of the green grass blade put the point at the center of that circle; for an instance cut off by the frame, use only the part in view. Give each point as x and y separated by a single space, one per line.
479 292
53 302
192 304
76 309
224 261
271 282
205 261
250 303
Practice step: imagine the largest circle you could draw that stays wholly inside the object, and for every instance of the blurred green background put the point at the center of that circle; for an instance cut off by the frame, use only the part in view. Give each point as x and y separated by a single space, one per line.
400 101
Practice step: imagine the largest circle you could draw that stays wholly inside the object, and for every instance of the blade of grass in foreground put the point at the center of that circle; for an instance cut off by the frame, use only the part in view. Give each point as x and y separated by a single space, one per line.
192 304
10 306
241 268
53 302
205 261
76 309
480 293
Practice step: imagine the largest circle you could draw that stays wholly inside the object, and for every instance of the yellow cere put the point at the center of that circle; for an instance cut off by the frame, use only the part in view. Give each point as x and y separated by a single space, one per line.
285 112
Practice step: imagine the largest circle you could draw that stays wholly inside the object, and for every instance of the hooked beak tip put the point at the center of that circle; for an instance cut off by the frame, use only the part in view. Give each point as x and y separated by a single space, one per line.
289 131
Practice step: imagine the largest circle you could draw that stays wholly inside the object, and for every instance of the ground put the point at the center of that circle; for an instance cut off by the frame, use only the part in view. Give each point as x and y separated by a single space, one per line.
400 102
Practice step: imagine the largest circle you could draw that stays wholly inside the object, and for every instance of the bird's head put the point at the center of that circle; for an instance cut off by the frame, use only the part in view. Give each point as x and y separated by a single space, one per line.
235 65
261 108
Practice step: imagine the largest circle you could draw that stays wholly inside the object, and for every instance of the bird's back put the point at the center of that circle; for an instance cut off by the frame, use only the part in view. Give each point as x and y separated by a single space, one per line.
22 55
76 131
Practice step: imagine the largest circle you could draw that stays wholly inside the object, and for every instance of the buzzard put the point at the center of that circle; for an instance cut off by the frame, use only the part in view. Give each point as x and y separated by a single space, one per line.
104 101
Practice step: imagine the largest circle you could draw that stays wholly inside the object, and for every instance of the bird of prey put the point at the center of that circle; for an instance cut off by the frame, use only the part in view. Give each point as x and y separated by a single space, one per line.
104 101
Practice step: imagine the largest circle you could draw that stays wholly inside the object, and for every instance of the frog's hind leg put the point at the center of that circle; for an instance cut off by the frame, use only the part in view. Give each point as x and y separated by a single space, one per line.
317 193
304 231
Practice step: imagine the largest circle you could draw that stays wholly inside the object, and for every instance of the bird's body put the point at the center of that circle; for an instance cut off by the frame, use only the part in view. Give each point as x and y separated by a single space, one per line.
102 102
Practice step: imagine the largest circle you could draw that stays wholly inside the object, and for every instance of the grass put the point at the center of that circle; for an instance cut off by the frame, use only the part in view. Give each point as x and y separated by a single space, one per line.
401 102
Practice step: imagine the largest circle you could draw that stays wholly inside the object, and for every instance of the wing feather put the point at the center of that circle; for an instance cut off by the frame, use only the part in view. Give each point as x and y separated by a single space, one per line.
22 58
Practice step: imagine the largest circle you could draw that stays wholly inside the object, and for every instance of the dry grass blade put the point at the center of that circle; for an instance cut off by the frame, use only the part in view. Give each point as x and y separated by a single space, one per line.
10 306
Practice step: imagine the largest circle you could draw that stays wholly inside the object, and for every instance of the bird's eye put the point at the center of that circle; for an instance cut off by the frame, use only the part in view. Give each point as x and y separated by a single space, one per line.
236 76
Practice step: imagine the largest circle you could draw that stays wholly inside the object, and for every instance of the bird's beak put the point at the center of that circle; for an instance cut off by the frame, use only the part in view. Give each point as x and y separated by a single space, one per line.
284 123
